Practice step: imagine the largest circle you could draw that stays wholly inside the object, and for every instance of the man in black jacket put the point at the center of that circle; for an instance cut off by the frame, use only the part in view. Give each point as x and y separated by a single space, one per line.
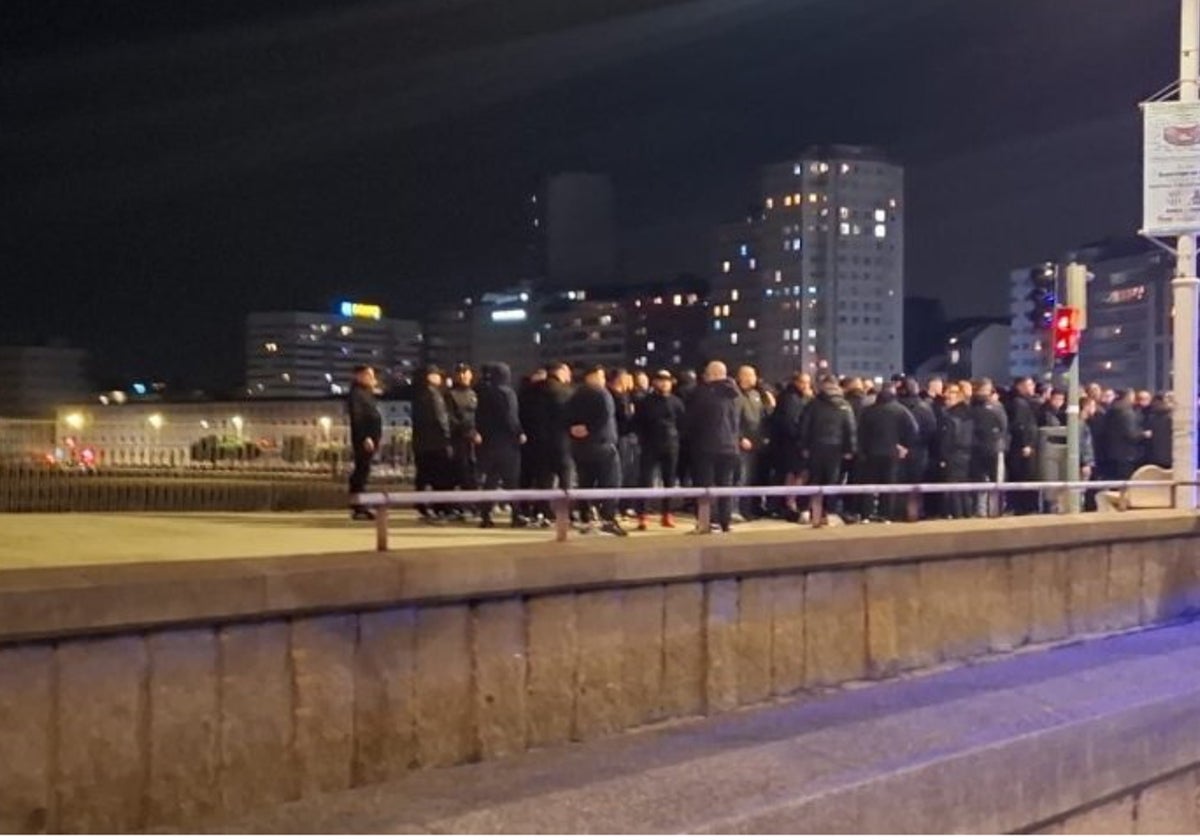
714 433
990 427
886 436
1123 437
828 439
1022 448
591 418
659 416
461 402
1158 423
431 441
753 413
915 468
787 445
952 450
366 429
500 438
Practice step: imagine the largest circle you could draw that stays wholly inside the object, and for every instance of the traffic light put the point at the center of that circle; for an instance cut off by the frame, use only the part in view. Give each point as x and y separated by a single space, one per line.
1066 333
1042 288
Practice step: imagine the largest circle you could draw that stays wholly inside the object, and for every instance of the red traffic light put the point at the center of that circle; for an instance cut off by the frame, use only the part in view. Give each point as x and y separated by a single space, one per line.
1066 332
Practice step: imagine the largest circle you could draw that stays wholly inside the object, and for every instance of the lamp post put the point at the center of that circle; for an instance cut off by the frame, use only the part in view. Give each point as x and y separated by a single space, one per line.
1185 288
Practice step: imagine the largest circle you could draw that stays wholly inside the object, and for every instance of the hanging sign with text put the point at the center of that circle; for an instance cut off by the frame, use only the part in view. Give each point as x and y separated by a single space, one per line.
1171 202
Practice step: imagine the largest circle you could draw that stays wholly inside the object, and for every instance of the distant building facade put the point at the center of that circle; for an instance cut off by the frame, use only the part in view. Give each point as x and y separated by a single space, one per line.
309 355
34 381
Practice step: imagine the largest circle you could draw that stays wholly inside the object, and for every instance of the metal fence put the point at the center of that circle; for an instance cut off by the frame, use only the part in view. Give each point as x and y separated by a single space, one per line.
988 496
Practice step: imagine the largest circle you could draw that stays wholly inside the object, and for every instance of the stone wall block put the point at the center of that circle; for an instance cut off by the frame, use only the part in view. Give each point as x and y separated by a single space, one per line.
1051 594
642 659
721 645
952 623
684 670
754 638
323 653
1115 817
894 635
1017 628
256 728
101 738
1171 806
385 695
500 673
835 642
599 693
553 654
787 629
1088 600
1123 595
26 721
445 699
184 728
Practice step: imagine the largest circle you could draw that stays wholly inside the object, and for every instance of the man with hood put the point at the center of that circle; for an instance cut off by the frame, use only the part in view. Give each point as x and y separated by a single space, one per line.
500 438
431 440
828 439
461 402
887 435
714 433
952 450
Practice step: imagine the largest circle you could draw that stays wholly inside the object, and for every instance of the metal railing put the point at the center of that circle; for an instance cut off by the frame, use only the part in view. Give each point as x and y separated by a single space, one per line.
561 500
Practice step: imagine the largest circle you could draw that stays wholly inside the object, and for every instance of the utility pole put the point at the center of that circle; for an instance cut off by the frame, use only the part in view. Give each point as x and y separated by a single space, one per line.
1185 289
1076 300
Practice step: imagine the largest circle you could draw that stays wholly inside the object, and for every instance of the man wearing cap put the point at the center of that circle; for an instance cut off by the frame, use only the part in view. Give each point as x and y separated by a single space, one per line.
462 403
431 440
657 422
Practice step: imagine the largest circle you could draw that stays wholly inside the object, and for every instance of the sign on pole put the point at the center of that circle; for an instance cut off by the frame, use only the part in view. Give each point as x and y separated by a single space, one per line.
1171 201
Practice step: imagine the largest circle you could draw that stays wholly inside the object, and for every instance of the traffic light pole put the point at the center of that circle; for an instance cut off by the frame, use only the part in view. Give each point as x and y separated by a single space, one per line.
1185 289
1076 283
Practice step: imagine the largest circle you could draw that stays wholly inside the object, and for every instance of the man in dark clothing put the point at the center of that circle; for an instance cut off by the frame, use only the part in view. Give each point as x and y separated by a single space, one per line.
620 386
787 446
1123 437
1158 423
366 429
431 441
685 389
752 424
1022 448
990 427
952 450
828 439
915 468
886 436
461 402
714 432
660 415
500 438
855 393
1052 412
592 424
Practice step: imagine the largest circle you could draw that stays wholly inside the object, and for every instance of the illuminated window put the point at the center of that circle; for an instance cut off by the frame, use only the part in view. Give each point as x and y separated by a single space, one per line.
716 310
271 347
678 299
812 333
787 201
880 231
843 212
778 276
770 204
753 264
752 324
717 325
845 168
812 198
725 310
725 266
733 338
823 167
881 215
650 345
734 295
844 228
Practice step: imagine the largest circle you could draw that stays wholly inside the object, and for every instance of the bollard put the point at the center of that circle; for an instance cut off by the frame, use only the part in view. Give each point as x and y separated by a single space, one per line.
561 508
704 514
816 510
381 527
913 513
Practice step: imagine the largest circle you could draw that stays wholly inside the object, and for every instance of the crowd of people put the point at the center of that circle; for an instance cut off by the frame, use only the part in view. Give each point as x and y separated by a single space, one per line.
616 429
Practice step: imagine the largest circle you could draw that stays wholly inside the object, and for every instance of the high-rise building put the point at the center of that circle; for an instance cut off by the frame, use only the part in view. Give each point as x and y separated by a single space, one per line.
313 354
580 330
579 219
666 324
819 270
34 381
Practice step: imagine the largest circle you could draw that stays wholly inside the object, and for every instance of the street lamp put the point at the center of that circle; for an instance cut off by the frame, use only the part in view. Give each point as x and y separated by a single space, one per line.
238 424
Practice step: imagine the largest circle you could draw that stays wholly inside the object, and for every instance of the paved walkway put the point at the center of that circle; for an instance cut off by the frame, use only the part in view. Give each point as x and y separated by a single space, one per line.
72 539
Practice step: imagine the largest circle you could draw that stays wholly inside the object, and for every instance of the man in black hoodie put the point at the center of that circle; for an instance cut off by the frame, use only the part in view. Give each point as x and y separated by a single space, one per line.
659 416
952 450
500 438
431 440
461 402
1022 448
714 426
592 425
886 436
990 436
366 429
828 439
915 468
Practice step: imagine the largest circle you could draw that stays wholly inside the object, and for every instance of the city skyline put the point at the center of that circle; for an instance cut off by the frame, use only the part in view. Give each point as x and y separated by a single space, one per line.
171 204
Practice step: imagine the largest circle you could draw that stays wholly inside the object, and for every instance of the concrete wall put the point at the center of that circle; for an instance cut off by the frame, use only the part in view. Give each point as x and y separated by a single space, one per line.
1166 806
164 695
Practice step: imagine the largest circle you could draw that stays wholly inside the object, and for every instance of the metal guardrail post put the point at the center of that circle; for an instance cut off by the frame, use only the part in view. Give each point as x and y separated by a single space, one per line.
913 513
816 510
561 507
704 514
381 527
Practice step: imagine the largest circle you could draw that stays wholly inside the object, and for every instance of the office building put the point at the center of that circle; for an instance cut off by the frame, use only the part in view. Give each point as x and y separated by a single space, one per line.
313 354
666 324
580 330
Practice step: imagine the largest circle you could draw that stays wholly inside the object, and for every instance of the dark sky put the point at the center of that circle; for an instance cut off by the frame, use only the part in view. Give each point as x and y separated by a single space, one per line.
169 167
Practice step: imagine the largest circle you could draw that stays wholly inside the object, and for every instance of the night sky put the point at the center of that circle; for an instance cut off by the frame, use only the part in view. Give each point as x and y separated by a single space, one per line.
171 166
